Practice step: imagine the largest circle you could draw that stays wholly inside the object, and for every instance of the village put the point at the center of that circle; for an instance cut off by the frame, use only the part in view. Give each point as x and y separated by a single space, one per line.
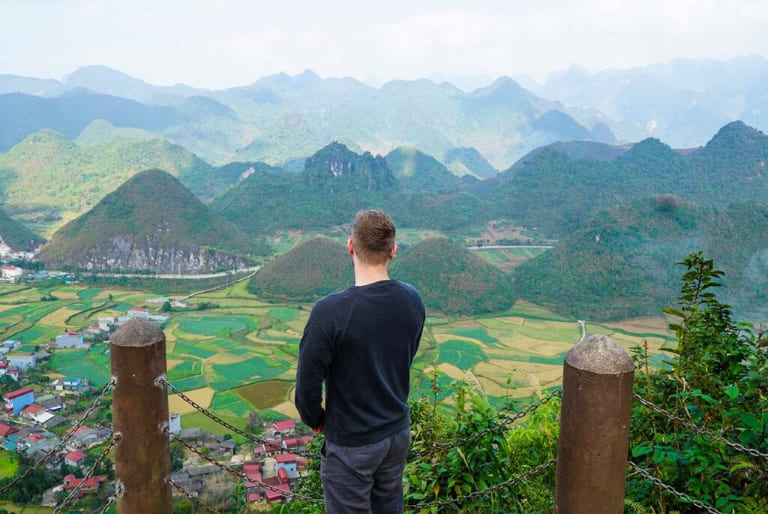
40 419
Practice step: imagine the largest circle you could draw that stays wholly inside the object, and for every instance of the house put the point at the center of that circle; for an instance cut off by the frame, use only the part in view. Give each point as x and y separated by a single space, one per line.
89 485
42 355
284 428
21 361
138 313
190 434
158 299
106 323
72 383
10 273
51 402
291 443
70 340
286 461
272 447
13 373
174 423
277 492
75 459
11 344
6 430
37 413
15 401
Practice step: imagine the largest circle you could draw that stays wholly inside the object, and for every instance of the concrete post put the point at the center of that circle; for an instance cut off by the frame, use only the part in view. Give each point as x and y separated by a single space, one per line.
139 412
594 428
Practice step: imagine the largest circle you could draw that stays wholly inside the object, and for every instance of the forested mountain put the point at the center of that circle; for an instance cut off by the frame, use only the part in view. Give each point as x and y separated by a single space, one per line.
453 280
313 269
557 192
16 236
150 222
622 262
419 171
46 180
450 278
333 186
280 118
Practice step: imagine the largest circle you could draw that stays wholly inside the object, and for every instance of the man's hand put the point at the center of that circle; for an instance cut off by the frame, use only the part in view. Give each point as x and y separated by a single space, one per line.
318 429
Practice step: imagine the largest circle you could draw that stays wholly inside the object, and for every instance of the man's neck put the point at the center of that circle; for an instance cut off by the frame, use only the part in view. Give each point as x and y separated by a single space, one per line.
365 274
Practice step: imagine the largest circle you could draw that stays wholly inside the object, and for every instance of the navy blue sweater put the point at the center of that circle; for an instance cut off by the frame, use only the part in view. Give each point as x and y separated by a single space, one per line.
360 342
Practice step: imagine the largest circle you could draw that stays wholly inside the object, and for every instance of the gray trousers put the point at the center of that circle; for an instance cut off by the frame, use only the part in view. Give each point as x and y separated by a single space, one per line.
365 479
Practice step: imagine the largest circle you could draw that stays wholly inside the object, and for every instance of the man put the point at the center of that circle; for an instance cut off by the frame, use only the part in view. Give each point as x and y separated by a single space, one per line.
361 342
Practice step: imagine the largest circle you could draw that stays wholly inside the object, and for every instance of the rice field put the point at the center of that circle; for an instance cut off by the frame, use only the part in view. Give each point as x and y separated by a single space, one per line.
240 355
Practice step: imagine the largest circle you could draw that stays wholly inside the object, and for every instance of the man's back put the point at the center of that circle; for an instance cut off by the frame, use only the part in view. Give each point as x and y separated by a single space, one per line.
362 341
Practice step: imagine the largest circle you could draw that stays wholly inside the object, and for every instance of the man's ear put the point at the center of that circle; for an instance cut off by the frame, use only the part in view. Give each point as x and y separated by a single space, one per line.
350 247
393 252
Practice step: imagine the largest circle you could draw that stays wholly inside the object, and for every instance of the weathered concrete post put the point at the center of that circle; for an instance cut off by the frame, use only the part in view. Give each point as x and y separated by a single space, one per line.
594 428
140 411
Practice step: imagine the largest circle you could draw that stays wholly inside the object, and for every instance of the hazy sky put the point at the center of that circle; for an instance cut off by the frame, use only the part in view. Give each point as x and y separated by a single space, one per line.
219 44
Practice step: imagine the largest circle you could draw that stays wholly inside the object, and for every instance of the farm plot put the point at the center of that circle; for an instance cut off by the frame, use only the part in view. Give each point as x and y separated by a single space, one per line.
75 363
202 397
462 354
212 325
184 369
263 395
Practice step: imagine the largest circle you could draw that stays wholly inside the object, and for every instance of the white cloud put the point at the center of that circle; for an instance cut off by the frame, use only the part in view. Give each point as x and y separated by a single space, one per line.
92 11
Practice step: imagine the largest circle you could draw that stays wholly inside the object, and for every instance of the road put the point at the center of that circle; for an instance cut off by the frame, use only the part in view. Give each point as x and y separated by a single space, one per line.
494 247
170 276
583 325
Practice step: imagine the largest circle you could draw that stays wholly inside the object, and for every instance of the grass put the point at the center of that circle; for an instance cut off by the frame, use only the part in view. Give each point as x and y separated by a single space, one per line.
474 333
200 420
9 463
462 354
184 369
254 367
263 395
76 363
228 402
193 349
211 325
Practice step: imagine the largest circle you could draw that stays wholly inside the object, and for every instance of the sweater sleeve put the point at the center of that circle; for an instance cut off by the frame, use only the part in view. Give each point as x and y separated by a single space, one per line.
315 355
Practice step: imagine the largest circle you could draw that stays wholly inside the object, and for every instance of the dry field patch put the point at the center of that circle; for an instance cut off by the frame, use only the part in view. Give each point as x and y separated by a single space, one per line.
57 318
202 397
224 358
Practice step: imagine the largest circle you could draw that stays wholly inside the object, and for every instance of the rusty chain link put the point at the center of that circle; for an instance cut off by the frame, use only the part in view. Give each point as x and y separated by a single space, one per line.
441 447
88 474
477 494
682 496
697 429
64 440
269 446
191 498
240 475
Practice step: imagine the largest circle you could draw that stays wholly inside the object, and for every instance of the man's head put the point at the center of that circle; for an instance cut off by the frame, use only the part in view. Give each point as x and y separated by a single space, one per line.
373 237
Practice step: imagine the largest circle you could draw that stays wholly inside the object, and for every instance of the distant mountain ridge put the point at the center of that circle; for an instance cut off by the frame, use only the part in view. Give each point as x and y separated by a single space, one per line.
16 237
151 222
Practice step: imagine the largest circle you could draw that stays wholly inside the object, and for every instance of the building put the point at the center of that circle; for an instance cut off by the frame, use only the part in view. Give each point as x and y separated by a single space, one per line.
15 401
89 485
284 428
21 360
138 313
70 340
106 323
10 273
286 461
6 430
174 423
37 413
11 344
75 459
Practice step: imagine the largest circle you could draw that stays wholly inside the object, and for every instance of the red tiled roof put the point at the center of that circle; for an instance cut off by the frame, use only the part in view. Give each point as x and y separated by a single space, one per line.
70 482
284 425
291 442
17 393
33 408
285 457
282 475
6 430
75 456
254 497
33 438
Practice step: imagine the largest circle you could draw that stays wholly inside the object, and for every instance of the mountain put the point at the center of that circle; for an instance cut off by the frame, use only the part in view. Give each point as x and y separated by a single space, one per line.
333 186
150 222
108 81
419 171
47 180
29 85
313 269
556 190
622 262
468 161
681 102
453 280
450 278
16 237
22 115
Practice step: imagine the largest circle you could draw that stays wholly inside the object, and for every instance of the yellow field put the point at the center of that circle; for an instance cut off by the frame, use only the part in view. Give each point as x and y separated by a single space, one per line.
57 318
223 358
202 397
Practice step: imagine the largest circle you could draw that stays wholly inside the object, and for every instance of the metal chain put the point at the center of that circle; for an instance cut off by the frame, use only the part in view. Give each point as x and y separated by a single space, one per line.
673 491
88 474
63 440
240 475
191 498
269 446
441 447
692 426
476 494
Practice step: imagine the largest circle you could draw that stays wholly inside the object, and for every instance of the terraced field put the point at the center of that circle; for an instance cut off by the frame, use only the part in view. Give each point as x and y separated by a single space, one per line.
239 354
